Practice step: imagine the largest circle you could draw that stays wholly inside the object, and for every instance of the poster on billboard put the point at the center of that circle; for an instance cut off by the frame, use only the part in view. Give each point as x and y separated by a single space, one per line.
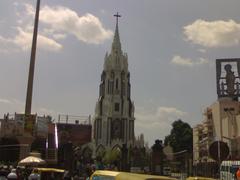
19 118
78 134
42 126
29 123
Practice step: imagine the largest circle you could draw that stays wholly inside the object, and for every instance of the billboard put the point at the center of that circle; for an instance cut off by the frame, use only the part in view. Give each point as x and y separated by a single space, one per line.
78 134
10 128
228 78
29 123
42 126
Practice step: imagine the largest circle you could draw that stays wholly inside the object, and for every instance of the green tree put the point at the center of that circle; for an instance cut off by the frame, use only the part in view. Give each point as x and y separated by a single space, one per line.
181 137
112 155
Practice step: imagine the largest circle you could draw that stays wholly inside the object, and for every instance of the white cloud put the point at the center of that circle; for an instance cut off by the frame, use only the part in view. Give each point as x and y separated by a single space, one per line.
59 36
15 3
159 115
87 28
23 41
57 23
156 123
12 101
25 13
178 60
45 111
213 33
103 11
15 105
2 21
29 9
202 50
11 105
5 101
4 45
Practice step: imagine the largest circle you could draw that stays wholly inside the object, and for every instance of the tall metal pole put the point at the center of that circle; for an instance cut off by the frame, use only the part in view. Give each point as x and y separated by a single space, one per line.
28 105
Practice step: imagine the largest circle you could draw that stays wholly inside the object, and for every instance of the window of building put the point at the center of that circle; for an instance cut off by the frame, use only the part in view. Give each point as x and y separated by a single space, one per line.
116 83
116 107
209 115
123 89
111 87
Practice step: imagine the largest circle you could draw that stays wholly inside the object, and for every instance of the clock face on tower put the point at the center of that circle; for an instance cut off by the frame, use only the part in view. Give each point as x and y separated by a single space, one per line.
116 129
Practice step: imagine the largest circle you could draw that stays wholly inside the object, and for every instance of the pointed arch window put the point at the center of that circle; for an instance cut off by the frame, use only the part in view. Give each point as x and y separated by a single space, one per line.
123 83
116 83
123 76
117 106
108 90
123 89
112 74
111 87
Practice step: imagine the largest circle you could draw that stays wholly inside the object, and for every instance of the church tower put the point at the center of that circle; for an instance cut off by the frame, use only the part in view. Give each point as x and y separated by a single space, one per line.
114 112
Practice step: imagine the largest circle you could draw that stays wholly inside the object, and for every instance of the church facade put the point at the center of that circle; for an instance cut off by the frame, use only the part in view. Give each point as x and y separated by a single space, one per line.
114 111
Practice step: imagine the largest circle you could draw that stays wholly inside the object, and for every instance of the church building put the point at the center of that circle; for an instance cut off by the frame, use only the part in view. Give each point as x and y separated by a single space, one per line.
114 112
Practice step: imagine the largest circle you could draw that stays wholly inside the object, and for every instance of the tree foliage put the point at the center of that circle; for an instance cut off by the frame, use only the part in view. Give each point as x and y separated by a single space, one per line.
181 137
112 155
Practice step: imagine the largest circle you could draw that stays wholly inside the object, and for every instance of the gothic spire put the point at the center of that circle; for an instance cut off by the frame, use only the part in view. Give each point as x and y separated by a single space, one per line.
116 44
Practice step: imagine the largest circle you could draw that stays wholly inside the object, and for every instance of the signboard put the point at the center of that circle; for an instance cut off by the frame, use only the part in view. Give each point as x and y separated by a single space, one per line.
219 150
19 118
42 126
78 134
29 123
10 128
228 77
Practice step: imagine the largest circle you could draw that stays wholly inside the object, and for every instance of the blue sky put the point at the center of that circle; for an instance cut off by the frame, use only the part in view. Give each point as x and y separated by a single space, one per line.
172 46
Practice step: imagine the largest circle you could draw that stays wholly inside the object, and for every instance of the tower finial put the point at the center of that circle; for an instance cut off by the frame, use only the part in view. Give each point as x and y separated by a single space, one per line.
117 16
116 45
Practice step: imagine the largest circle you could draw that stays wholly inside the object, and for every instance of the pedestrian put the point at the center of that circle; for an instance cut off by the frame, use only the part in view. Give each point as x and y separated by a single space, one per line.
76 177
67 175
238 174
34 175
12 175
3 174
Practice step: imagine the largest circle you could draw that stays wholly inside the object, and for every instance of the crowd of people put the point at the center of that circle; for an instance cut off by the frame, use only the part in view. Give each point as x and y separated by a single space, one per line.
19 173
30 173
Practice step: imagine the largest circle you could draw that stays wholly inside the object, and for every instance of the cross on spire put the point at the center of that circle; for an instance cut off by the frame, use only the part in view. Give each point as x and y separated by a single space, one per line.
117 16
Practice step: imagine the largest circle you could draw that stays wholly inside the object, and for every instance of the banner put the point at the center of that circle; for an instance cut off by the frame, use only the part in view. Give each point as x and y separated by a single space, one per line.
29 123
42 126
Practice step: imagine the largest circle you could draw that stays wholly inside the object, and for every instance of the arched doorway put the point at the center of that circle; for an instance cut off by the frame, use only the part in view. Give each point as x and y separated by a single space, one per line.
87 155
100 152
116 155
9 149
